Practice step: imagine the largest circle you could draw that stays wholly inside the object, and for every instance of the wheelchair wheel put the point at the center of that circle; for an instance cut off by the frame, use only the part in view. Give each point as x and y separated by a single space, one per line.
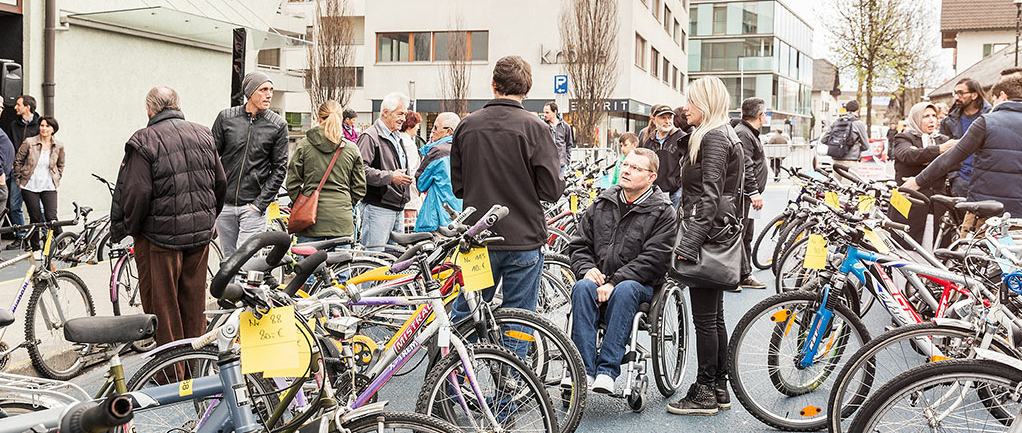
669 338
636 398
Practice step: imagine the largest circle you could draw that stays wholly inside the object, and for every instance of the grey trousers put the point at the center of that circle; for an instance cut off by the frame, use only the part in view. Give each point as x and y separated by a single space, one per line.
236 224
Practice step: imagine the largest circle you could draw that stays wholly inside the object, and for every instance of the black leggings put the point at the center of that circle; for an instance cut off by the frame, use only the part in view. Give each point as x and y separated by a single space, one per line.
36 215
711 334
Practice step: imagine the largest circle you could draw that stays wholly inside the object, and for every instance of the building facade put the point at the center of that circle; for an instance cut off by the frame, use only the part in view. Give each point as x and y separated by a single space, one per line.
976 29
758 48
826 89
401 45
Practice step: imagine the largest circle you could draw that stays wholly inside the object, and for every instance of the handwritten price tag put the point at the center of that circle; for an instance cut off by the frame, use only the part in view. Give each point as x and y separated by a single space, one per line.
832 199
866 203
303 340
900 203
816 253
268 343
475 269
573 203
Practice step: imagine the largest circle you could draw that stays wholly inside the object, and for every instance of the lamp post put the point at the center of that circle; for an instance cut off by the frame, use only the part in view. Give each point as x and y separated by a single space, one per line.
741 76
1018 20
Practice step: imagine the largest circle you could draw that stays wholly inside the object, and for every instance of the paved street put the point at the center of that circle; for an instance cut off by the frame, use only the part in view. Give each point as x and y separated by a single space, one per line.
603 414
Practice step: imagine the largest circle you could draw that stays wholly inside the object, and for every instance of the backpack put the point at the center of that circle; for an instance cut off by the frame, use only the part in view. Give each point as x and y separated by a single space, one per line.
840 140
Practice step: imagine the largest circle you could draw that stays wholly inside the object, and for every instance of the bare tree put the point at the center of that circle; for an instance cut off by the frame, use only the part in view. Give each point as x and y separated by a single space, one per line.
454 71
589 32
330 75
915 64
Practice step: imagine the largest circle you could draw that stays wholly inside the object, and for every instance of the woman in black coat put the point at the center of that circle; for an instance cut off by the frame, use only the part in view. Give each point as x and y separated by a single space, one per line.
912 151
712 175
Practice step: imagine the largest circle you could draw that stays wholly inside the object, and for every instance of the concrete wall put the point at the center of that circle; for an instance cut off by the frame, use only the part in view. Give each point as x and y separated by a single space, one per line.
970 45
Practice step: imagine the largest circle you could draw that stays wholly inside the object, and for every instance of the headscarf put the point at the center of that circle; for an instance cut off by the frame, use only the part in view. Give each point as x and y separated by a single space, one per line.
915 118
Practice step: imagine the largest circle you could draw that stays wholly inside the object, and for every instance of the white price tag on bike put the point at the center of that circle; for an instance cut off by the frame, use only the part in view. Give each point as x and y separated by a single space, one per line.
444 337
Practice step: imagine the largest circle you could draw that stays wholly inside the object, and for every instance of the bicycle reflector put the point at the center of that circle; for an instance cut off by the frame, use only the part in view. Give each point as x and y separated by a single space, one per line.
1014 281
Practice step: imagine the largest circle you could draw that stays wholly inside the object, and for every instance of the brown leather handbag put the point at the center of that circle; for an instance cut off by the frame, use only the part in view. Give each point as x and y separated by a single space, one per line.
303 212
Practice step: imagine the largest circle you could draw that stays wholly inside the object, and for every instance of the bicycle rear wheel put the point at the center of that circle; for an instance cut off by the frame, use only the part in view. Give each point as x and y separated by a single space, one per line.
399 422
54 300
762 255
127 300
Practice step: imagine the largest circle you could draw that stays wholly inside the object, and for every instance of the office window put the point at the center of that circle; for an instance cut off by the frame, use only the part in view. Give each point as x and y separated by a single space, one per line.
355 76
656 9
989 49
393 47
719 20
674 77
654 64
667 19
677 32
667 72
269 58
640 51
479 45
476 45
683 40
447 44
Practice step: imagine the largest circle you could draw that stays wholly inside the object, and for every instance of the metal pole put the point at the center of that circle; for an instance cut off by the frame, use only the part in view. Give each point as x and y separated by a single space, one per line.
49 57
741 80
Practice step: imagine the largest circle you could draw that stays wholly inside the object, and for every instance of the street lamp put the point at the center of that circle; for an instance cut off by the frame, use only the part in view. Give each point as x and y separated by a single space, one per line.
1018 20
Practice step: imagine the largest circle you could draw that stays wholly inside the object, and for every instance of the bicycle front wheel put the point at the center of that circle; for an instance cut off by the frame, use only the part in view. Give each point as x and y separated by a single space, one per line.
515 396
55 300
762 255
399 422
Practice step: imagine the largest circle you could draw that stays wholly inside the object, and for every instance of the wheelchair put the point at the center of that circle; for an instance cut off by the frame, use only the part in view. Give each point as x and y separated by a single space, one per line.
664 320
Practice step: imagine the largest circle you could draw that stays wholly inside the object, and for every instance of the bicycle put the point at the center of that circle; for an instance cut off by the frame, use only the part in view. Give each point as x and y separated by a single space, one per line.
92 245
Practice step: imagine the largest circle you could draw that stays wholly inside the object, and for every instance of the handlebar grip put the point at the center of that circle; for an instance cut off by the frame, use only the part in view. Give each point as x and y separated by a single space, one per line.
915 197
280 242
303 270
811 200
461 218
847 173
92 417
895 226
408 258
492 216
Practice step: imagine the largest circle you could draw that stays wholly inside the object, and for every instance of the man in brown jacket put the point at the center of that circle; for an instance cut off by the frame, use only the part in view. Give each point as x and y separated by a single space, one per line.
169 191
387 177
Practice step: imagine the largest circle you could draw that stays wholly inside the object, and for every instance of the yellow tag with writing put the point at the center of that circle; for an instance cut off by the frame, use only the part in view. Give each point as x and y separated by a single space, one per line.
268 343
593 194
578 173
573 203
184 388
900 203
866 203
816 253
875 240
475 269
273 211
303 341
832 199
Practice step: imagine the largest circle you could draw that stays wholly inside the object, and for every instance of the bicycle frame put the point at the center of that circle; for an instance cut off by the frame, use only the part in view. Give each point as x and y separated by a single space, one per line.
23 287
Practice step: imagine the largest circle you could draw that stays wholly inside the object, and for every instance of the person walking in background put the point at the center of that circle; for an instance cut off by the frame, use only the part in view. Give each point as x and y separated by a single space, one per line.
666 140
913 150
350 117
970 103
169 190
713 177
433 178
564 138
38 167
776 162
892 130
344 186
627 143
387 175
6 165
410 143
747 128
251 140
847 138
24 126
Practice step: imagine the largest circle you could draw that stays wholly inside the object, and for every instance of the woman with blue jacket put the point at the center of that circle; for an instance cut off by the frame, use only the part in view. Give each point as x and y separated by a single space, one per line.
433 177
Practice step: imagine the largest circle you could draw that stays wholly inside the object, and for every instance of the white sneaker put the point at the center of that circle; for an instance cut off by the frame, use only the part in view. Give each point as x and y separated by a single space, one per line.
603 384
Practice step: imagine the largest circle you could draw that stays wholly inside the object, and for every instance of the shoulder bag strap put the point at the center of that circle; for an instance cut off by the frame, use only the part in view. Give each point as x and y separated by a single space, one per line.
330 168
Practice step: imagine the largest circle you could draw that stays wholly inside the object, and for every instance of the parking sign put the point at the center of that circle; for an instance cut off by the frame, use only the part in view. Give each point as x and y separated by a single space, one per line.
560 84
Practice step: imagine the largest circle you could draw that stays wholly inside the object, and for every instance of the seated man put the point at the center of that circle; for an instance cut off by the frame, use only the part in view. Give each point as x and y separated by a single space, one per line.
622 250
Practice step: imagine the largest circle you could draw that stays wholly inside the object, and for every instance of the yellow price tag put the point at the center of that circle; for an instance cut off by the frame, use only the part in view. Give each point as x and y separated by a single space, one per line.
578 173
832 199
303 341
475 269
593 194
875 240
273 212
184 388
816 253
900 203
866 203
573 203
268 343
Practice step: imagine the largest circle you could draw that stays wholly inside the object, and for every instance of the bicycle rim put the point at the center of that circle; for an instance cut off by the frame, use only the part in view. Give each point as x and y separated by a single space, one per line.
48 307
396 422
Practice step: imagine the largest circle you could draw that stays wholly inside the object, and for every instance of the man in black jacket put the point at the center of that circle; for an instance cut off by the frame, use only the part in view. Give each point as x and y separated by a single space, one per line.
505 155
747 128
622 250
252 143
387 177
24 126
169 191
666 141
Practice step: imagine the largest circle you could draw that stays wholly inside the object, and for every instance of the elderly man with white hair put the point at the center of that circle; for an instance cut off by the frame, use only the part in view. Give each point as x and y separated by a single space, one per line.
434 175
387 177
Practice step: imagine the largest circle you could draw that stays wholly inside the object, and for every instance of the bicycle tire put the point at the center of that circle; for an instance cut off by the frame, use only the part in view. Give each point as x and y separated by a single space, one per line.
932 377
557 240
556 283
553 344
791 233
398 422
775 225
668 379
58 358
129 297
863 366
513 375
804 394
62 255
216 257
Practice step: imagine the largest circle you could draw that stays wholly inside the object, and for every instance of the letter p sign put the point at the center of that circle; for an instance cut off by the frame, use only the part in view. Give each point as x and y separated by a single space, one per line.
560 84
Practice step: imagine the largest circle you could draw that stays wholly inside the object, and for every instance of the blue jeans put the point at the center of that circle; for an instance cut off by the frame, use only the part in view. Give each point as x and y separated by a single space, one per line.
585 316
15 203
676 198
377 223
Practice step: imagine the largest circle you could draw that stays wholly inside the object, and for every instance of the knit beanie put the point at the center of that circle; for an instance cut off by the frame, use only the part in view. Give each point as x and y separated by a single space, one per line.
252 81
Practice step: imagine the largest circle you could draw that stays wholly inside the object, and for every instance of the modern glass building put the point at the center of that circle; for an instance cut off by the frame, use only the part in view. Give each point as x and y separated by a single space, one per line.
758 48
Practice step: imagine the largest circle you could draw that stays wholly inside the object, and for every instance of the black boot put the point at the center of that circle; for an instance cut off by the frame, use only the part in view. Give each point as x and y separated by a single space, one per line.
699 401
723 397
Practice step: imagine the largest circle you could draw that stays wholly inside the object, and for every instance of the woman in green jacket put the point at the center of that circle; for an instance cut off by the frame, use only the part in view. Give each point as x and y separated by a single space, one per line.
346 184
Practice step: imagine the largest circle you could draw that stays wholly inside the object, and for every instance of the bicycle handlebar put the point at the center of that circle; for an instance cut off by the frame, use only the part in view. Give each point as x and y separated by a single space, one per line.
303 270
280 242
492 216
54 223
847 173
408 258
894 225
915 197
93 417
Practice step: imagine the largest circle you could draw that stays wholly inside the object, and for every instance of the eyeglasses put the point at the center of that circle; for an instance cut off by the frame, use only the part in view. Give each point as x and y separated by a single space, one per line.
630 166
435 127
961 93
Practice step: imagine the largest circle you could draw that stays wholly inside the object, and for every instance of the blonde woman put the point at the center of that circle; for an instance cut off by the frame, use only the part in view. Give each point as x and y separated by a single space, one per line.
346 184
711 179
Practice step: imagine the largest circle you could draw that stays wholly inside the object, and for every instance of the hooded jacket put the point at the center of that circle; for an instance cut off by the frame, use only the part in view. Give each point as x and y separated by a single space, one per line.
253 151
345 186
434 179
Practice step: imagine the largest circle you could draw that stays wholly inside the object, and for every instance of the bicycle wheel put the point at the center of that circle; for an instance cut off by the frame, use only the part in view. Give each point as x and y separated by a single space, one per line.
762 255
557 240
63 251
953 395
515 395
184 363
548 351
764 351
556 282
790 274
669 337
216 257
104 245
793 232
61 296
398 422
126 297
890 354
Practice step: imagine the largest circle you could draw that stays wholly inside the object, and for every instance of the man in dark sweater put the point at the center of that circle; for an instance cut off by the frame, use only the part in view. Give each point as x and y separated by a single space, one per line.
24 126
747 128
666 140
169 191
502 154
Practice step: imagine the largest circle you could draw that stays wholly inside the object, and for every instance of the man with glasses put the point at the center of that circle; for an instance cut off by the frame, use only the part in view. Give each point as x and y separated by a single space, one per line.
665 140
970 103
433 177
620 254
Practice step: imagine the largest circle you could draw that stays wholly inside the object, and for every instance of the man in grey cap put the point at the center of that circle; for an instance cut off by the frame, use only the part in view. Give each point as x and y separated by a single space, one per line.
252 142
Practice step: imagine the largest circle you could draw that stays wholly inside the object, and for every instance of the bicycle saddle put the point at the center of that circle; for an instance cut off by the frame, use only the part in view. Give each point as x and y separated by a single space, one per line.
407 239
982 209
946 254
310 248
85 211
6 317
948 202
110 329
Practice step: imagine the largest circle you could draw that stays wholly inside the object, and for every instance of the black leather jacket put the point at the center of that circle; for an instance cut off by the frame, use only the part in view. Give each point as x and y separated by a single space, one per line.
253 151
711 189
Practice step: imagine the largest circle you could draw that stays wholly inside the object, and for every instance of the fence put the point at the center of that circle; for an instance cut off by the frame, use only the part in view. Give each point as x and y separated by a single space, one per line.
792 155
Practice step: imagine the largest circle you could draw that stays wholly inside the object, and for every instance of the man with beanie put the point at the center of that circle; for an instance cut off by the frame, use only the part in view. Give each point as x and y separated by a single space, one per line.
251 140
